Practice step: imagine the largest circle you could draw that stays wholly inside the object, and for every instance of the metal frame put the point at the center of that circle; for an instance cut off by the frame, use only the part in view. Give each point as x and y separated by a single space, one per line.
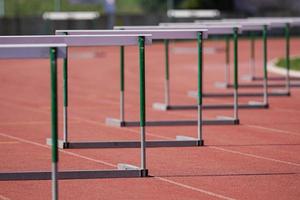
241 27
211 30
15 48
180 141
289 23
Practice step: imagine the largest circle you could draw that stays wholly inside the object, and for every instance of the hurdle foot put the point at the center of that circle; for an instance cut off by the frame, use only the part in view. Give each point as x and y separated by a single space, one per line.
160 106
235 121
281 91
124 166
114 122
187 138
60 143
248 78
221 85
258 104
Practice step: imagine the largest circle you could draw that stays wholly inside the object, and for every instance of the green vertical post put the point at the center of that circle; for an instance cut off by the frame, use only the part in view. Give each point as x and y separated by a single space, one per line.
141 41
252 56
265 50
167 73
122 83
65 95
200 85
235 60
287 56
227 59
54 121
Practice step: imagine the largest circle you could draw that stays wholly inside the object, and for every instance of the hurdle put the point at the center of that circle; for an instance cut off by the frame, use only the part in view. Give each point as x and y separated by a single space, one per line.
246 26
221 120
181 141
280 24
12 47
262 27
290 22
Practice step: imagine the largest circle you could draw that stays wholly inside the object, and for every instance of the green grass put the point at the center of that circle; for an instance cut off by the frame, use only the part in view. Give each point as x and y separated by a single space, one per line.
38 7
294 63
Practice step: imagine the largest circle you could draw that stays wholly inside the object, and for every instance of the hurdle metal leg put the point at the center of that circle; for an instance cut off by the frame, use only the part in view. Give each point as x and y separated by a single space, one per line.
54 121
167 106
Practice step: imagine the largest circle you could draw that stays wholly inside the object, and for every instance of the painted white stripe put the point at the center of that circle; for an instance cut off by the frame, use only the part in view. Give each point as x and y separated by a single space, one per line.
194 189
273 129
255 156
63 151
4 198
113 165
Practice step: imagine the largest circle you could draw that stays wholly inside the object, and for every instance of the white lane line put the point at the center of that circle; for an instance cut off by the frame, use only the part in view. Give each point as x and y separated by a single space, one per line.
63 151
195 189
218 148
255 156
273 129
112 165
4 198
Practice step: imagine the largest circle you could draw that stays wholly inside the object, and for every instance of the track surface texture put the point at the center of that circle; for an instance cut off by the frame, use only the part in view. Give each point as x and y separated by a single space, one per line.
258 159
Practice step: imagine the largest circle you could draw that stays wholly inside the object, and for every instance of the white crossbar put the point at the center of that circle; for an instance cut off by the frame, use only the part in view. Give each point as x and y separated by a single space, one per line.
30 51
211 30
77 40
156 34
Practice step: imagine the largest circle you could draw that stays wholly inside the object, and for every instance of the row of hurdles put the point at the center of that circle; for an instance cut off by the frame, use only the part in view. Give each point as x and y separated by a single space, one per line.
55 47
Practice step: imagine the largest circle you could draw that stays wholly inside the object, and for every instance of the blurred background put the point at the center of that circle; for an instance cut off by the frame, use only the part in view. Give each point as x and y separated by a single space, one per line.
44 16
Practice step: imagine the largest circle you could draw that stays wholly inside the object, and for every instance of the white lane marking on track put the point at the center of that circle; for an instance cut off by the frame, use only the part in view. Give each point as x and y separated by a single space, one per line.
272 129
4 198
222 149
112 165
63 151
256 156
195 189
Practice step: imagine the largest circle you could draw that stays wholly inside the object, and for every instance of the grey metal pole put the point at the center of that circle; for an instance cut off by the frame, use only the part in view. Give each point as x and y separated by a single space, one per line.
236 85
57 5
54 122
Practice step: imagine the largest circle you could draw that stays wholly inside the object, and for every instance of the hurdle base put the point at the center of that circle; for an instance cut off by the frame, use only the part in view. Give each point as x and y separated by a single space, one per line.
122 172
248 78
163 107
181 141
222 85
274 93
118 123
255 85
257 78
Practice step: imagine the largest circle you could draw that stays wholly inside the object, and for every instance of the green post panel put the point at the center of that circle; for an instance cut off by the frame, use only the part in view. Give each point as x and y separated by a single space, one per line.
142 81
200 61
54 109
252 37
287 50
235 40
265 51
122 68
166 42
65 78
227 49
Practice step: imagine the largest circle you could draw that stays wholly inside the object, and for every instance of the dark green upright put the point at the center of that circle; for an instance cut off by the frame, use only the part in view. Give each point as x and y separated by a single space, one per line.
287 56
54 109
122 61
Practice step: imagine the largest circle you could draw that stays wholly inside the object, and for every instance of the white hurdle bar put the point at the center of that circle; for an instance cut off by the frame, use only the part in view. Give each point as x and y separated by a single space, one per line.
284 24
221 120
181 141
20 45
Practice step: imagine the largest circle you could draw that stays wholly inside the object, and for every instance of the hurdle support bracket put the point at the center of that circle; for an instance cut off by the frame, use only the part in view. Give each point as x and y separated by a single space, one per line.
121 172
250 105
118 123
274 93
180 141
254 85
